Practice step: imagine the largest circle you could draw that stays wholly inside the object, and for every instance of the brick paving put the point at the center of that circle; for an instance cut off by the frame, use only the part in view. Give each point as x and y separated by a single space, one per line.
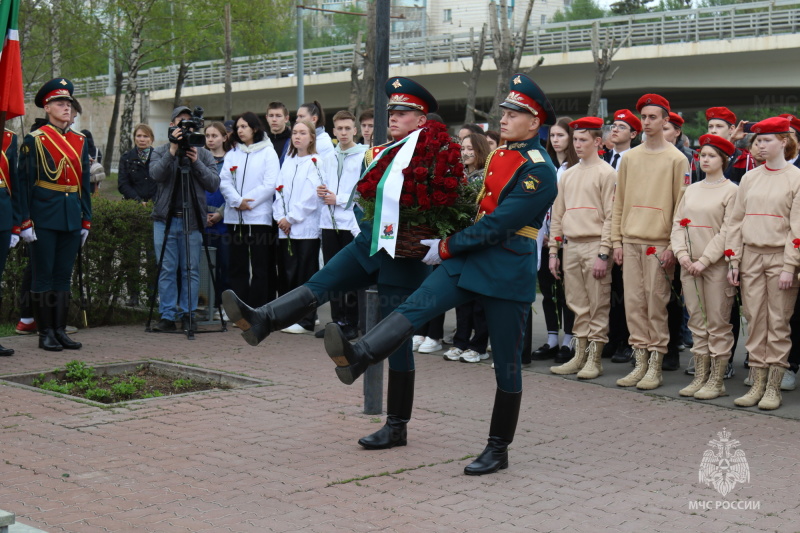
284 457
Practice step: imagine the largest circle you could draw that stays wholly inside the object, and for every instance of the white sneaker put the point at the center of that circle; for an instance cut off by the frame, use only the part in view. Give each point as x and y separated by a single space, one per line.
448 339
453 354
430 346
489 348
789 381
471 356
416 342
492 365
297 329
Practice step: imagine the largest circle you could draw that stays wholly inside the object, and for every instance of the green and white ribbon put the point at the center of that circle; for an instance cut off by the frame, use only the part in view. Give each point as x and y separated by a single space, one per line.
387 198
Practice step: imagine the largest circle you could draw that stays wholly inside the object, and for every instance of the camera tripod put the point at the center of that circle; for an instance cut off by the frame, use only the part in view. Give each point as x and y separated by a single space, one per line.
186 187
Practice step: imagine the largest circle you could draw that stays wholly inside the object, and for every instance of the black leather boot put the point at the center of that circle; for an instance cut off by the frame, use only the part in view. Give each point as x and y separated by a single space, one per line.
378 344
44 309
257 324
61 310
399 401
504 424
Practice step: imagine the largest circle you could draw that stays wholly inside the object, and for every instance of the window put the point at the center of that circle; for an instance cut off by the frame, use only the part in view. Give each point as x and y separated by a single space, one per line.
544 19
448 15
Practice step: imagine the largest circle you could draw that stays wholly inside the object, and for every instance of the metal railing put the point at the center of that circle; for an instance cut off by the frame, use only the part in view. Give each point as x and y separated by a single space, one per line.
733 21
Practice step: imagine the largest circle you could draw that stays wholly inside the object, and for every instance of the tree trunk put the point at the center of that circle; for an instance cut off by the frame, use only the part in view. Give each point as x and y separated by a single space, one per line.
354 105
368 82
602 56
134 63
55 41
228 65
112 127
477 54
183 68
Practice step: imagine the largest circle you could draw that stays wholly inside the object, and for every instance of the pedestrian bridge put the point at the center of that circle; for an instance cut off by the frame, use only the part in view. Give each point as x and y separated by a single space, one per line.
740 54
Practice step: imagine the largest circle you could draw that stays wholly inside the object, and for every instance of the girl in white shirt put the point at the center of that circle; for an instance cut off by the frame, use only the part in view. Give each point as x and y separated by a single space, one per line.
247 181
297 212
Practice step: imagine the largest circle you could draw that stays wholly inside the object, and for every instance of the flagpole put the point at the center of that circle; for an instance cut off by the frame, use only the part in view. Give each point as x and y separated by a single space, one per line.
2 121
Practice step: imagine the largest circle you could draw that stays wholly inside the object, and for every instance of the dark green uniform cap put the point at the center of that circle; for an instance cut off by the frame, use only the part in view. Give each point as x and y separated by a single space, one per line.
55 89
526 96
405 95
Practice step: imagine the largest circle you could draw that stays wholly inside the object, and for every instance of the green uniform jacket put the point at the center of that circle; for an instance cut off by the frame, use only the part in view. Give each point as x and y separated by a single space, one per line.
490 256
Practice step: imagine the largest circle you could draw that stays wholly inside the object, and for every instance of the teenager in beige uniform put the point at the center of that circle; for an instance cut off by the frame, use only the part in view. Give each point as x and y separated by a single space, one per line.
698 241
762 232
649 185
581 216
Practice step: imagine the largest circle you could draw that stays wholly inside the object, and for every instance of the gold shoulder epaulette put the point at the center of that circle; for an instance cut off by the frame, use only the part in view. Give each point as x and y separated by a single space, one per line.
36 133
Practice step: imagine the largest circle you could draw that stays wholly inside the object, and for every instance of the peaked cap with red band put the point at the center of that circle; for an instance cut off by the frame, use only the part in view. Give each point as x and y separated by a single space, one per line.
652 99
587 123
55 89
628 117
771 126
406 95
525 95
794 122
718 142
721 113
676 119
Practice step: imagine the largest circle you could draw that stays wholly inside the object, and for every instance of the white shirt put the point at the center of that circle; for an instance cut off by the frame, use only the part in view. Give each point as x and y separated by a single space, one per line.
298 202
613 153
255 176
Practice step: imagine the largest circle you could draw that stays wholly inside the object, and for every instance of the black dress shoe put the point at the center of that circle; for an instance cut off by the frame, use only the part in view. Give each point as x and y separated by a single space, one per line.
608 351
623 354
671 359
6 352
544 352
165 325
493 458
563 355
394 433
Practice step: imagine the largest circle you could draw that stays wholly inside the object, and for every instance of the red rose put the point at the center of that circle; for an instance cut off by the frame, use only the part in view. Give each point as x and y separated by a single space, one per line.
458 169
408 172
408 186
450 183
439 198
441 167
729 253
454 157
366 189
438 181
406 200
651 250
421 173
443 137
559 239
685 222
279 188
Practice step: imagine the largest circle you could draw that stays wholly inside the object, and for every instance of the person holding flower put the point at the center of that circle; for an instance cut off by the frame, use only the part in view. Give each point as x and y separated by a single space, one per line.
247 181
297 211
764 235
698 242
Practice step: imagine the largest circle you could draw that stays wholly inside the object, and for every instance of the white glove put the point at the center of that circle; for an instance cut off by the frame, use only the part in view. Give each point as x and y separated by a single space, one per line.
84 234
28 235
14 240
432 257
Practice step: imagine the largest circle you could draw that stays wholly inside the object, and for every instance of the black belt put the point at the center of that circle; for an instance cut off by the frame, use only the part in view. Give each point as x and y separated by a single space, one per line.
177 214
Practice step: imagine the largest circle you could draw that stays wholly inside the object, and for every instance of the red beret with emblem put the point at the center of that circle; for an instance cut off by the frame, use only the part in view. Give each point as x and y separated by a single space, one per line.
652 99
771 126
676 119
628 117
587 123
718 142
721 113
794 122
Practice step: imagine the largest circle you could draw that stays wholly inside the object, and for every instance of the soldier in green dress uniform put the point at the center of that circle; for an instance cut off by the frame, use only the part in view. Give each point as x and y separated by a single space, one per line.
494 261
56 209
9 204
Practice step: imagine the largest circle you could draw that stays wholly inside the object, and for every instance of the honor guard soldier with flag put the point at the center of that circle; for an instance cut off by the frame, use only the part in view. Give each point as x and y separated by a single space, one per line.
56 209
369 259
494 261
9 204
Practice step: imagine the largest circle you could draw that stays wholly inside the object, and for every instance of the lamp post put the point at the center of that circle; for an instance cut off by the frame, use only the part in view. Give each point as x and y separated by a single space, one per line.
299 70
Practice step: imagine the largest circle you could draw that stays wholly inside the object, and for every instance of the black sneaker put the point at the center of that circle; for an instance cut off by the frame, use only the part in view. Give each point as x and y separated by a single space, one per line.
623 354
185 324
165 325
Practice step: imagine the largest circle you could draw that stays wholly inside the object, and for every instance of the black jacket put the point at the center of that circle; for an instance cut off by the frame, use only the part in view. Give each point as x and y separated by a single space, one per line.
134 182
280 142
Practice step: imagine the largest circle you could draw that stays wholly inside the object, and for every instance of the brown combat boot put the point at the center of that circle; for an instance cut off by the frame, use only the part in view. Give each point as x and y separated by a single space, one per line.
756 392
715 386
701 371
772 395
652 379
574 365
638 372
594 363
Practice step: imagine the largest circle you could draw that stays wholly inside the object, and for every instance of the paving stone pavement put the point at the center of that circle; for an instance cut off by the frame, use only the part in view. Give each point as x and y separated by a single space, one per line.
284 457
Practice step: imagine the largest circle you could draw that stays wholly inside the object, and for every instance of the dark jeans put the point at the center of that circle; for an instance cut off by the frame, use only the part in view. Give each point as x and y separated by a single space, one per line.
344 305
250 257
299 266
617 323
555 314
469 317
221 261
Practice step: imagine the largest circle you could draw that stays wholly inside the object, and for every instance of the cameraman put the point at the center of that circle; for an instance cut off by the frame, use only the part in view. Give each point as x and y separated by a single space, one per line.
165 171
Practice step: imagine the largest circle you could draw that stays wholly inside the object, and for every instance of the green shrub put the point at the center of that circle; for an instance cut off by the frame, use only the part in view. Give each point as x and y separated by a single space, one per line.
98 395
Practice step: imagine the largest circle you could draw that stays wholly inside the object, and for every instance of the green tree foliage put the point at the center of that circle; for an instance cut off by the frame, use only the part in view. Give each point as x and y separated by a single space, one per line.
630 7
580 10
334 29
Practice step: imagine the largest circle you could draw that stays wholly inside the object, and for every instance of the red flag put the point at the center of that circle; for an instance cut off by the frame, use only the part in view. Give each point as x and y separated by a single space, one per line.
12 96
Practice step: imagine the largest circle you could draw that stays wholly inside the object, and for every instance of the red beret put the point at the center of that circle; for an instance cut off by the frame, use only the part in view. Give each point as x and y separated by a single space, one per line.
718 142
652 99
676 119
629 117
587 123
721 113
794 122
770 126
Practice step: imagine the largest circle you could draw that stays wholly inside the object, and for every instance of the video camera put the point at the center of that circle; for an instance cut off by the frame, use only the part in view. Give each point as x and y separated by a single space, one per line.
191 137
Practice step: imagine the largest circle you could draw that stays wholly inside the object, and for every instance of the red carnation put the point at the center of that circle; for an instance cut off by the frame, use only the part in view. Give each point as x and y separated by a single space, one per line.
279 188
314 160
685 222
651 250
729 253
439 198
796 243
233 169
559 239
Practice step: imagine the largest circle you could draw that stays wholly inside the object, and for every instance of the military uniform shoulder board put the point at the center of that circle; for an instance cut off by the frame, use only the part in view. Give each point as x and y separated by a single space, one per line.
76 132
535 156
36 133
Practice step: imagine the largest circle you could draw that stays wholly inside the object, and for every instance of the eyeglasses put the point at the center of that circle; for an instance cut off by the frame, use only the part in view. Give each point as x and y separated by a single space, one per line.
619 127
